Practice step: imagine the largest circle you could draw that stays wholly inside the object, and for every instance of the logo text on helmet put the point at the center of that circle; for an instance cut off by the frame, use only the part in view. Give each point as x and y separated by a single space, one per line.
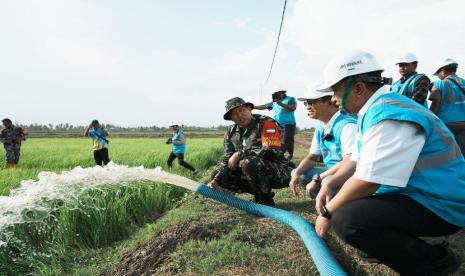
350 64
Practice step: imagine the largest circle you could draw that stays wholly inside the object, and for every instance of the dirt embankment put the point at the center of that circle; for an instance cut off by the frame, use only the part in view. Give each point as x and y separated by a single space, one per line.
143 259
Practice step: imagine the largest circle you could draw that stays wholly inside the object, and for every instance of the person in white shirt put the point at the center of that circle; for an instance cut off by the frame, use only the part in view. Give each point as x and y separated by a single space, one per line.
334 139
408 174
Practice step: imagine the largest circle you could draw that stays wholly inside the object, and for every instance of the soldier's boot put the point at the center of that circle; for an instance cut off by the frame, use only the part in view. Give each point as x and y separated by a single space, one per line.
9 165
265 199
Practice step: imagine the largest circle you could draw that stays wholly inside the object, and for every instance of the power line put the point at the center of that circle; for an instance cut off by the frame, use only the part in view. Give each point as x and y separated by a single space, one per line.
277 42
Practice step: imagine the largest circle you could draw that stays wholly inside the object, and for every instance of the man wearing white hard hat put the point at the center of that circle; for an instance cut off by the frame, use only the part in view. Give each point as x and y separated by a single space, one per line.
178 140
411 84
334 140
448 99
408 174
284 107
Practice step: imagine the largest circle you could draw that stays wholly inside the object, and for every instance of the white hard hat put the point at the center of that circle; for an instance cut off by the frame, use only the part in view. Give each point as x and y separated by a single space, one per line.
174 123
278 88
348 64
313 94
407 58
444 63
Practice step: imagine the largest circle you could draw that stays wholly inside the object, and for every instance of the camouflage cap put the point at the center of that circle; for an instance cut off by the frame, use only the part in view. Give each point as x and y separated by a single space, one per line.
234 103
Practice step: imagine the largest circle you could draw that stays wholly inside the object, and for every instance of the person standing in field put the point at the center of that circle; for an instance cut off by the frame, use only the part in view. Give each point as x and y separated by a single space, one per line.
11 136
448 99
178 140
411 84
284 107
253 160
98 134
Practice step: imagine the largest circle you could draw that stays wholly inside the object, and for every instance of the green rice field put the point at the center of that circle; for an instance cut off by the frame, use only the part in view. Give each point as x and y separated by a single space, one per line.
52 233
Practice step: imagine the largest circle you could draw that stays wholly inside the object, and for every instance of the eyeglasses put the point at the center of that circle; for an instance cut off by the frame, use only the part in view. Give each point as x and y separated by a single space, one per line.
308 103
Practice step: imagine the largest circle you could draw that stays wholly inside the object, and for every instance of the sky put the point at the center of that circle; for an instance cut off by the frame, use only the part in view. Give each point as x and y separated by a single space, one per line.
144 63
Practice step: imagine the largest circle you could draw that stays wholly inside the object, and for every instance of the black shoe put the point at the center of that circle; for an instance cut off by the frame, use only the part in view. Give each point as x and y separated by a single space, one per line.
367 258
266 199
446 265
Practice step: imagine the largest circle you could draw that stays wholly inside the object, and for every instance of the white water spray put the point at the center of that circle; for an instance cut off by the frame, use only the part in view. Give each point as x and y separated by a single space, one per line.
68 185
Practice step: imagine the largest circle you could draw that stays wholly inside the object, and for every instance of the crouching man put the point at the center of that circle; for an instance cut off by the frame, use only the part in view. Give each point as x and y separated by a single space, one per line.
253 160
334 140
409 179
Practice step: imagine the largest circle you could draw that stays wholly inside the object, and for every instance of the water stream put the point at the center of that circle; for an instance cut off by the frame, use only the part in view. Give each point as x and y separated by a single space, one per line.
69 185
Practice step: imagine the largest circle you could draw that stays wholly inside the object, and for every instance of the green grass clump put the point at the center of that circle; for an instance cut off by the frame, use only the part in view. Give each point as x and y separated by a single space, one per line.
98 218
56 233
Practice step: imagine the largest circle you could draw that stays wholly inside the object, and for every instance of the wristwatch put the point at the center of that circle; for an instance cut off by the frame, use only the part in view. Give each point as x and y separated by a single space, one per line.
324 212
316 178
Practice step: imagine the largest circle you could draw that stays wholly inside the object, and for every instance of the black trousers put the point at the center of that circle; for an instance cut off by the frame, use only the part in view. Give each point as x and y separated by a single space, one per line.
181 161
388 227
460 138
288 132
101 156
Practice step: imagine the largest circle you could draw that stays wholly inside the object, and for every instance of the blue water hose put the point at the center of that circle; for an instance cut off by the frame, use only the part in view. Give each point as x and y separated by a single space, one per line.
324 261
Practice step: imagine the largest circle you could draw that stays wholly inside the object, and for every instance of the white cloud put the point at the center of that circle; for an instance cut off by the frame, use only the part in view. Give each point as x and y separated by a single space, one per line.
430 29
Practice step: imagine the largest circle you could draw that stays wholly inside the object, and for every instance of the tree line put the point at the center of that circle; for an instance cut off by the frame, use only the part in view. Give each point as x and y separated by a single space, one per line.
70 128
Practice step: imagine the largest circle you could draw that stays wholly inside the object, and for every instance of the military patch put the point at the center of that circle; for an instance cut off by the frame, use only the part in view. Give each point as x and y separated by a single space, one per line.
270 135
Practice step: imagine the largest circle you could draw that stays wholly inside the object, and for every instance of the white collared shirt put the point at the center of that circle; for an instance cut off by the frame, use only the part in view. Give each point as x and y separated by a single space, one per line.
348 137
390 149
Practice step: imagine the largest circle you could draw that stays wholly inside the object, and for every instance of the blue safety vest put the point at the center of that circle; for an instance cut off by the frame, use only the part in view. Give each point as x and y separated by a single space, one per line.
331 149
282 115
176 137
406 88
452 107
98 136
438 178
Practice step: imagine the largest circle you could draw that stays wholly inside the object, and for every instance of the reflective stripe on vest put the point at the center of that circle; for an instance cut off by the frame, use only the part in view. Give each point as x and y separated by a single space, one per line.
332 150
407 87
452 107
438 178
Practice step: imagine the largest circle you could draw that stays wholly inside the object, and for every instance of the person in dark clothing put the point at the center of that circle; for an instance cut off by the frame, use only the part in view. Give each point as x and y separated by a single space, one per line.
253 160
11 136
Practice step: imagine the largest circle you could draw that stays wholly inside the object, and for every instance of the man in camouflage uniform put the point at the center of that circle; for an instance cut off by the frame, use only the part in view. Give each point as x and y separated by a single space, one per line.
11 137
253 160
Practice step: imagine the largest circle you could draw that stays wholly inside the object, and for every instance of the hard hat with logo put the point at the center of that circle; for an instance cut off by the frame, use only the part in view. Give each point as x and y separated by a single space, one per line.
346 65
313 94
407 58
444 63
174 123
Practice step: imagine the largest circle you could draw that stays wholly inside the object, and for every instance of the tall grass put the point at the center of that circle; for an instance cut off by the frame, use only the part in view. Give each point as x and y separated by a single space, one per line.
51 236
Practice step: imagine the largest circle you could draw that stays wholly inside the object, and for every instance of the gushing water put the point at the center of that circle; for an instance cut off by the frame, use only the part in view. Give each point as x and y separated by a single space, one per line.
68 185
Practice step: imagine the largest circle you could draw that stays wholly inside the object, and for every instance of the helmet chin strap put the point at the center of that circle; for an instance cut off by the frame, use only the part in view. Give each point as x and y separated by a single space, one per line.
347 90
